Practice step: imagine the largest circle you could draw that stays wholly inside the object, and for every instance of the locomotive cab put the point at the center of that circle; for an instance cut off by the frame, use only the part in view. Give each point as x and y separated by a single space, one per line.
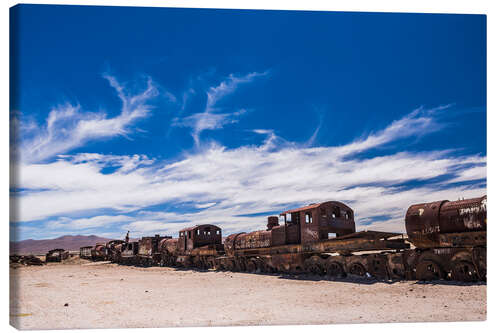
130 249
318 222
198 236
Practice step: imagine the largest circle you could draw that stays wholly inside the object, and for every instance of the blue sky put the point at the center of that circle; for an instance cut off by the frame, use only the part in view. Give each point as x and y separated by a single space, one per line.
151 119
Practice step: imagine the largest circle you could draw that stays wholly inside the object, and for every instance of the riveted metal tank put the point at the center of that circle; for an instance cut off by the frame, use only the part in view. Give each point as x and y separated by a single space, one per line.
252 240
426 222
168 245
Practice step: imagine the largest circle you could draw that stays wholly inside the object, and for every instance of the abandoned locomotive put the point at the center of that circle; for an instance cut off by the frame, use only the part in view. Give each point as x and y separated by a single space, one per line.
446 240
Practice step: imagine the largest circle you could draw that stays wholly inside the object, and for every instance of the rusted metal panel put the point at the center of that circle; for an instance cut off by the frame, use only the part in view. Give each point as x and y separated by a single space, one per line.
292 233
130 249
208 250
99 252
459 239
278 235
319 221
229 243
145 246
28 260
289 262
463 215
56 255
426 223
199 235
272 221
86 252
396 265
256 239
422 223
168 245
335 245
113 249
300 209
148 246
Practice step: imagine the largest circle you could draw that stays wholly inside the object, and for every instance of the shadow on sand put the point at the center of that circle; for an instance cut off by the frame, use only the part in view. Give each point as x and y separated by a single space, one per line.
348 279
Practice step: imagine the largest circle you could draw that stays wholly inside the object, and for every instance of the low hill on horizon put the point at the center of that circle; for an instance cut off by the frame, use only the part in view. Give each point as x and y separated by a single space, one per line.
42 246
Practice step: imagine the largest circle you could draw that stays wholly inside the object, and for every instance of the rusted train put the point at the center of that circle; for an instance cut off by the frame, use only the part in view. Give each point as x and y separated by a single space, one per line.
446 240
102 251
56 255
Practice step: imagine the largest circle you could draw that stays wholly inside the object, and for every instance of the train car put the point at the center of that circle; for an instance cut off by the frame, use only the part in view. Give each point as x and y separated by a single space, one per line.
113 249
56 255
148 252
98 253
445 240
196 246
128 253
318 238
86 252
450 239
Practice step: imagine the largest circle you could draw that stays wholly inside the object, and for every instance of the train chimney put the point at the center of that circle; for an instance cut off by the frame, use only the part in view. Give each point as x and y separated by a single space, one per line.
272 221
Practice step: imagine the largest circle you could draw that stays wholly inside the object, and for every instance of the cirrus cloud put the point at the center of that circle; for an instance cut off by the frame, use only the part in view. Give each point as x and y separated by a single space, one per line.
232 187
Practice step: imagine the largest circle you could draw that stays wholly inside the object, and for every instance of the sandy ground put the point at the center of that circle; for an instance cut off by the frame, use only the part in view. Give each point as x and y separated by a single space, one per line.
107 295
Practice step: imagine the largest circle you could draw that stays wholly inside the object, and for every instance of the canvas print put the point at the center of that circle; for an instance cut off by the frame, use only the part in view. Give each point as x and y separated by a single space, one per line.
209 167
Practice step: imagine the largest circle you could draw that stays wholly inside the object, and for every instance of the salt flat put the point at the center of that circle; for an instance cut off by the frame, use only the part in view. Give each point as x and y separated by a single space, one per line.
60 296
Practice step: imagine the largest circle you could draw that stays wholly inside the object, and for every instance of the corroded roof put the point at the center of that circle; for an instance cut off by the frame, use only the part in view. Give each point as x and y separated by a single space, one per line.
199 226
316 205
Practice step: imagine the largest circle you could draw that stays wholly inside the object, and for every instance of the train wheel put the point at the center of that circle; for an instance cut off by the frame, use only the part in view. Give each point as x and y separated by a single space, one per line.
219 265
267 268
479 258
281 269
428 270
230 266
463 271
314 265
260 266
239 265
357 269
335 269
250 266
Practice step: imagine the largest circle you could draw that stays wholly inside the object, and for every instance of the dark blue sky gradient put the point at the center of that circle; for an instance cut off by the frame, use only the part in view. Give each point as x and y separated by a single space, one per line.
350 73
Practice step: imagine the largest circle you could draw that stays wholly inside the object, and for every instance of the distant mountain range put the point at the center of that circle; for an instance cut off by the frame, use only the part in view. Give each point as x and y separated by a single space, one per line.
42 246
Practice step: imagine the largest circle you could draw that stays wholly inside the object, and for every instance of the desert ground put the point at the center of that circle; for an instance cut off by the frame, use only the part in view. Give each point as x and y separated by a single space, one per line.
103 295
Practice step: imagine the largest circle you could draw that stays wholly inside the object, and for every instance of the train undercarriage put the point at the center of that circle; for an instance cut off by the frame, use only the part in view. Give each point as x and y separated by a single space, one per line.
458 264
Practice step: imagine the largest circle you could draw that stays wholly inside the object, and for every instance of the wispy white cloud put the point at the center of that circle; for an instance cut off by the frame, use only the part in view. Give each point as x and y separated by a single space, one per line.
69 126
251 179
207 121
205 205
95 222
418 123
211 118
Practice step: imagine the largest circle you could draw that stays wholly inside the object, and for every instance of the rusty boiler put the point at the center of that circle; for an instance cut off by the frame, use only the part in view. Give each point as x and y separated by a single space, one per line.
168 245
427 222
